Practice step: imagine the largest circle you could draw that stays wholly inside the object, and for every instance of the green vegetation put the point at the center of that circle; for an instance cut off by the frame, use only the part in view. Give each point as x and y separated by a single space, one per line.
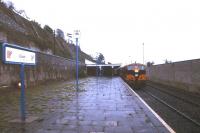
19 30
100 59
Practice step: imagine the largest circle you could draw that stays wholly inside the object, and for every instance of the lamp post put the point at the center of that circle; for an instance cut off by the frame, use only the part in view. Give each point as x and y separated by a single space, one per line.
130 59
54 41
143 53
69 35
77 54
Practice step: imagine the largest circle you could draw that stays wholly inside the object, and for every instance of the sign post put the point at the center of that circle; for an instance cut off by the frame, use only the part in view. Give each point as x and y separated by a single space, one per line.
22 97
13 54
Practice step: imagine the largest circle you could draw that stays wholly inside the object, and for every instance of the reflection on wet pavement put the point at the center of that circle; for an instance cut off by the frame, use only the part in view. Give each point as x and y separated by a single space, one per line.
101 105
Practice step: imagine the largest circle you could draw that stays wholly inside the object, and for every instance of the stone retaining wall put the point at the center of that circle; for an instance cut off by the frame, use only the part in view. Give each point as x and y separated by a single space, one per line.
48 68
184 75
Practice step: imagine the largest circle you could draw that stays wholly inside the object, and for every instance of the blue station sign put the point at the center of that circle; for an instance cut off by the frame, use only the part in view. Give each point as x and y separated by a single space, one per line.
13 54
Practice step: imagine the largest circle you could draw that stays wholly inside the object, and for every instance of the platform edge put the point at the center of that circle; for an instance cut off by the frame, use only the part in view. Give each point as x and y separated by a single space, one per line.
156 115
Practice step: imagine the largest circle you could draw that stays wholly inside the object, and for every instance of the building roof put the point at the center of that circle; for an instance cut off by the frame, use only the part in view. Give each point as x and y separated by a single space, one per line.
112 65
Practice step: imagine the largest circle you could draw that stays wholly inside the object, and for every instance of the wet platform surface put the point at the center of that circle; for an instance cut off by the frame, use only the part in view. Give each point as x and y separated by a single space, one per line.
104 105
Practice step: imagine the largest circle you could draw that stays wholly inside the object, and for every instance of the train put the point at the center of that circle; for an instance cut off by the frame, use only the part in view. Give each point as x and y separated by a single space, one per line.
134 74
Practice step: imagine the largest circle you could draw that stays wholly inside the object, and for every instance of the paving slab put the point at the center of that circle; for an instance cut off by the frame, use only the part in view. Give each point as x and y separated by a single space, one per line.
104 105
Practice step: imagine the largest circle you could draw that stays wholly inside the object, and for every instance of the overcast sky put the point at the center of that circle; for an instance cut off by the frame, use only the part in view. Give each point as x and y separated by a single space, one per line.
169 29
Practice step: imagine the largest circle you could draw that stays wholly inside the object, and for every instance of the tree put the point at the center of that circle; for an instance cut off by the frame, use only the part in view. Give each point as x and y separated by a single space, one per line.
35 23
22 13
100 59
150 64
60 33
10 5
48 29
167 61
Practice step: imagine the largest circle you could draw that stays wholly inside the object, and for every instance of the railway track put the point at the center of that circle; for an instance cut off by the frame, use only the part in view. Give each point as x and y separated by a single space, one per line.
189 108
174 95
182 113
175 109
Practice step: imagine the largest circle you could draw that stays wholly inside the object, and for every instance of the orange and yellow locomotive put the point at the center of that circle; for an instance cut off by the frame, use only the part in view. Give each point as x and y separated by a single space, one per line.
134 75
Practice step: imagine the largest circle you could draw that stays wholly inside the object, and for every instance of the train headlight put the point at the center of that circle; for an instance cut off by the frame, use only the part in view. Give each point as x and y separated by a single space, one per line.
136 74
136 70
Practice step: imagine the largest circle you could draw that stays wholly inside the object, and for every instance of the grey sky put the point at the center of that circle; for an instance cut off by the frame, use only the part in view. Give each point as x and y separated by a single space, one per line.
170 29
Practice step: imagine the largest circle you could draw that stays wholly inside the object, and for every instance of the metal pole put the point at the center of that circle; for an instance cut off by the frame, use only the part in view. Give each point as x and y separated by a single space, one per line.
143 53
77 63
96 71
54 41
22 97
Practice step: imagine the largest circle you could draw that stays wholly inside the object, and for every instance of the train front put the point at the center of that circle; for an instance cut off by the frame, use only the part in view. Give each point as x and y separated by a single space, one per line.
136 75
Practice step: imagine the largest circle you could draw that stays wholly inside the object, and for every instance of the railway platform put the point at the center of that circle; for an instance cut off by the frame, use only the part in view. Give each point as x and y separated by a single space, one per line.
102 105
